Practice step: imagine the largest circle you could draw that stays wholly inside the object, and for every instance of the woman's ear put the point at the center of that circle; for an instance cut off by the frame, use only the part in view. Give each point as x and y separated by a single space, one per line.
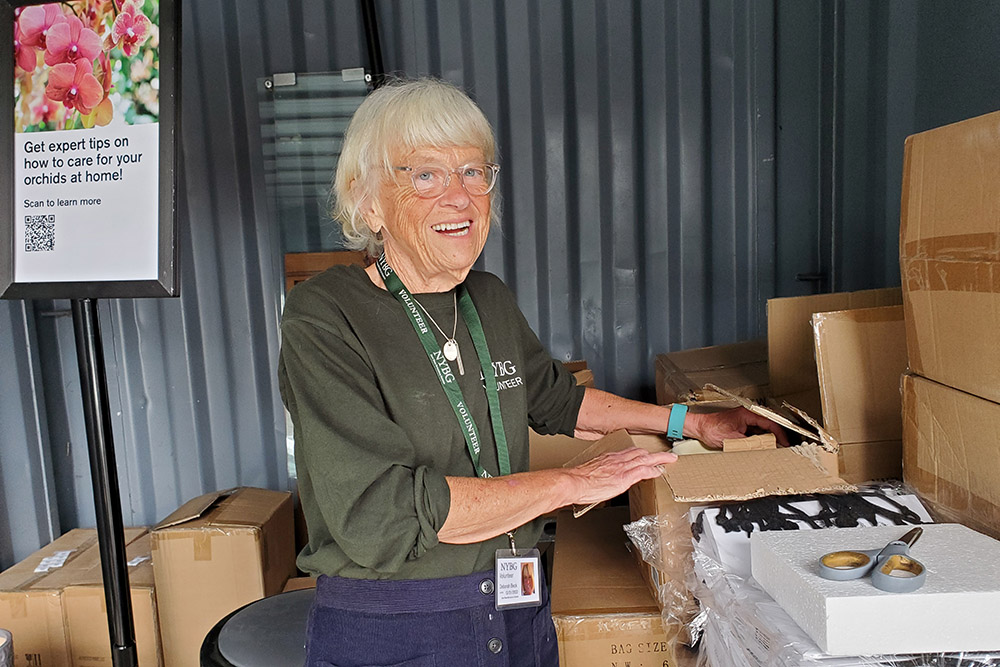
368 206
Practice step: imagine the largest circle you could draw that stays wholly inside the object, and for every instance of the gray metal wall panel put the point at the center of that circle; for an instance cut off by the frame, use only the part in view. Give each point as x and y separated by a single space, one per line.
28 512
628 183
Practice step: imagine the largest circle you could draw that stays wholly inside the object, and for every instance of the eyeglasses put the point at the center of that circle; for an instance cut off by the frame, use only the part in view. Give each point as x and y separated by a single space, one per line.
431 180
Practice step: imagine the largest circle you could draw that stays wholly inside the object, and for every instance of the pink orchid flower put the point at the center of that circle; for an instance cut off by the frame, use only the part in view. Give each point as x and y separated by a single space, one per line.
104 111
130 29
25 56
46 111
75 85
36 21
70 41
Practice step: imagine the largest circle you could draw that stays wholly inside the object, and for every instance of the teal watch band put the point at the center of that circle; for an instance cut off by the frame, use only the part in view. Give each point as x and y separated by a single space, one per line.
675 425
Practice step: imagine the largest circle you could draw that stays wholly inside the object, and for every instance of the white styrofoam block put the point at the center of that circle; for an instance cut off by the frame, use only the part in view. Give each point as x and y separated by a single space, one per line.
955 610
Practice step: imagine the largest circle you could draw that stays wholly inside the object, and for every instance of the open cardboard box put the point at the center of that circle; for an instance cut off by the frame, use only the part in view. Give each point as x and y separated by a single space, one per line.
810 467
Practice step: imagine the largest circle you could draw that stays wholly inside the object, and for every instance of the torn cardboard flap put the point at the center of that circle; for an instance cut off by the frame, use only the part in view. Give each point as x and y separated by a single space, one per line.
817 434
240 507
804 468
751 474
194 508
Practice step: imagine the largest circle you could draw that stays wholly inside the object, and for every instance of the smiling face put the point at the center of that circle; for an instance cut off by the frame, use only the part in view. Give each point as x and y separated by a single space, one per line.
431 243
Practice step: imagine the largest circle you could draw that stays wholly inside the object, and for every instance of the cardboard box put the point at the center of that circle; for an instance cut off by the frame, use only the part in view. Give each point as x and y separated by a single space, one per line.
31 597
299 583
602 610
701 478
860 462
85 608
213 555
790 347
949 254
950 453
860 358
740 368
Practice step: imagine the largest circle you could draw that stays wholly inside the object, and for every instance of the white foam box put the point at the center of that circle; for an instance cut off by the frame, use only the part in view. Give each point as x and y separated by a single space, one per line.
955 609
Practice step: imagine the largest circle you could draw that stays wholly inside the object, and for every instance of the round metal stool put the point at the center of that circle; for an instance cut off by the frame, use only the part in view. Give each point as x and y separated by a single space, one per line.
268 632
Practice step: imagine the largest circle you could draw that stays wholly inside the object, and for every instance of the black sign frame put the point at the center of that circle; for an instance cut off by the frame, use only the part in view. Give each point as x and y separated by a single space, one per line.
166 284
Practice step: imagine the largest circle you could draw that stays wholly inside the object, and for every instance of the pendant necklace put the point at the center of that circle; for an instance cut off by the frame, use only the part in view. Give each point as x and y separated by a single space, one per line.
450 347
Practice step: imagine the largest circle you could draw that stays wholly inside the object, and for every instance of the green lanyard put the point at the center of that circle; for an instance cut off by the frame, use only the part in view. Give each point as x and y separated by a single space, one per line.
444 373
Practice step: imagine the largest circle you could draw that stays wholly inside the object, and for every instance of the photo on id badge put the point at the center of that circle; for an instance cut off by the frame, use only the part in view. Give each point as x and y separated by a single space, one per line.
517 579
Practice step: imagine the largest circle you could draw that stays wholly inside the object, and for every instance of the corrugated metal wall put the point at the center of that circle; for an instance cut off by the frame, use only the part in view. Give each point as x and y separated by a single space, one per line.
640 189
631 157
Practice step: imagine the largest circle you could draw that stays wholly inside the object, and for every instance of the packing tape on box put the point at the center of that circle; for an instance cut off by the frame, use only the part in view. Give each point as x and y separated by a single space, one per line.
967 247
17 604
942 275
202 543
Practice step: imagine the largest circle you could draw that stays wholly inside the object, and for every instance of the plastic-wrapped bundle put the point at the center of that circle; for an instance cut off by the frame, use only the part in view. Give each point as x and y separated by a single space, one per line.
744 627
740 625
6 649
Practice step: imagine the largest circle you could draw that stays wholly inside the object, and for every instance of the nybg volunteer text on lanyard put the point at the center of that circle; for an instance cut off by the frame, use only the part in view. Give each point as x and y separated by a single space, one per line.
448 380
517 573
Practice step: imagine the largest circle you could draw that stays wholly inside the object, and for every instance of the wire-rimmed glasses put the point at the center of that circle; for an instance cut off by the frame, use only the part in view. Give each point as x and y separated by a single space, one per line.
431 180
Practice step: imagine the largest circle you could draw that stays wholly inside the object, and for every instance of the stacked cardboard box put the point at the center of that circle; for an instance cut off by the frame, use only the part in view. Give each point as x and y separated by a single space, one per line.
602 610
739 368
949 255
213 555
860 358
53 603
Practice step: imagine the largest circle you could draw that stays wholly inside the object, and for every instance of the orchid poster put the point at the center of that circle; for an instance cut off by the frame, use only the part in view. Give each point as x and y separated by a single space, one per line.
86 140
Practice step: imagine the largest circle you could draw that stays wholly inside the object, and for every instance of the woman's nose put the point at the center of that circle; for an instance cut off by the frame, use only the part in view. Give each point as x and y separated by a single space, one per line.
455 193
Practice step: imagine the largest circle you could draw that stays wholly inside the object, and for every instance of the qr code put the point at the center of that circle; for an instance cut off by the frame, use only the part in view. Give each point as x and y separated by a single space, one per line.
39 233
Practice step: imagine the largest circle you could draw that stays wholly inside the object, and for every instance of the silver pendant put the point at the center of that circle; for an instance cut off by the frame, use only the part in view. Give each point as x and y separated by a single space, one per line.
451 349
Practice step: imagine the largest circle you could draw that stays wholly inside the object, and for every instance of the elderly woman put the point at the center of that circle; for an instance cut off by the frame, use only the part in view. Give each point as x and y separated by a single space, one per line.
411 385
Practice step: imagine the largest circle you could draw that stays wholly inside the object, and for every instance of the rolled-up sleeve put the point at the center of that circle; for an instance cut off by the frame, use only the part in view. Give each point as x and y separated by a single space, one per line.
354 463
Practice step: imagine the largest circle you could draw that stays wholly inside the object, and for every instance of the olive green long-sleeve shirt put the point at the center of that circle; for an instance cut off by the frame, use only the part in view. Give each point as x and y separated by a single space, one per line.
375 434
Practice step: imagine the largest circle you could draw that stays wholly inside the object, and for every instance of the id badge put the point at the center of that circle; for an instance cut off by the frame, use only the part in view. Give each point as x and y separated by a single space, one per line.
518 576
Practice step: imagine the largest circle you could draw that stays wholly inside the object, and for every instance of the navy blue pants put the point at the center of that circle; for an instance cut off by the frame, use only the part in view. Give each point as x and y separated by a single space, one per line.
424 623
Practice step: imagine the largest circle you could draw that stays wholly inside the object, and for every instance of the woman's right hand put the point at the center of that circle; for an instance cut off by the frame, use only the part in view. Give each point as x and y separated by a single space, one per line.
612 473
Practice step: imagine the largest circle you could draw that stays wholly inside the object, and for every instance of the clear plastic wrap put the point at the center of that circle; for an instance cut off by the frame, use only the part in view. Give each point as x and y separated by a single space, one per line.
732 620
6 649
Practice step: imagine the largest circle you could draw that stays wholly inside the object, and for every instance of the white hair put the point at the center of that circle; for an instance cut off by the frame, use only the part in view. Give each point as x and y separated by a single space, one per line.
397 117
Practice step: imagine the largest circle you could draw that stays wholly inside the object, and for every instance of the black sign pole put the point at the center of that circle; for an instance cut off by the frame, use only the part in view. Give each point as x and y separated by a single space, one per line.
103 470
